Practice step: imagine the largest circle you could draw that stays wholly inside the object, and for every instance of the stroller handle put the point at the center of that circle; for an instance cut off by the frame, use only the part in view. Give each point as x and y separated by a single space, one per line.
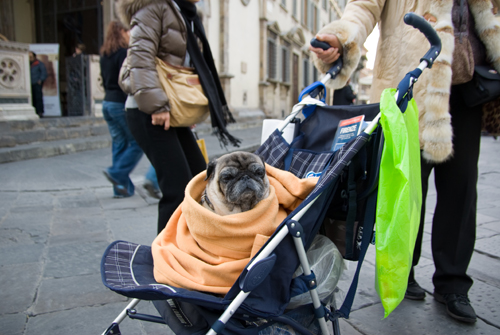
418 22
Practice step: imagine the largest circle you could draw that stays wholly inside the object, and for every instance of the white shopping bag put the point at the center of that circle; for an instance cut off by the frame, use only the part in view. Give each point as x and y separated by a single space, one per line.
269 125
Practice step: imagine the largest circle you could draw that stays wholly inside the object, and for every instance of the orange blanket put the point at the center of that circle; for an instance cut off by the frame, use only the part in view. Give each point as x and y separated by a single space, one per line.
200 250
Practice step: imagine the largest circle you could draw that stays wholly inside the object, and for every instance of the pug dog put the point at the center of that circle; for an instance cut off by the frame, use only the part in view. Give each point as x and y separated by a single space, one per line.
236 183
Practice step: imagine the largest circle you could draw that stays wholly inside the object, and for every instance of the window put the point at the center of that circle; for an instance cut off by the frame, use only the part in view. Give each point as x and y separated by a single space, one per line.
305 11
333 15
315 73
315 23
271 56
285 62
294 9
305 72
342 4
283 3
310 16
325 4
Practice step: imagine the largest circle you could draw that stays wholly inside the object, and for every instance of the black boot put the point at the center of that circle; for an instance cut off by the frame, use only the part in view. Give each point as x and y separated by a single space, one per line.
458 306
414 291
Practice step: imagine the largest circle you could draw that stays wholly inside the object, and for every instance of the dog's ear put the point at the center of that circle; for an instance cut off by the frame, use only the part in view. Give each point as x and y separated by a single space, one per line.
211 169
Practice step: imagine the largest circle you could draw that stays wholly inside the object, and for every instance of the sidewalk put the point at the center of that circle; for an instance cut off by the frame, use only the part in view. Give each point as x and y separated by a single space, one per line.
57 216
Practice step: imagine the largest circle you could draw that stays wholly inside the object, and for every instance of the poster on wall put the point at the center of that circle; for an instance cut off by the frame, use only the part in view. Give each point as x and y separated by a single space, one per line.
48 54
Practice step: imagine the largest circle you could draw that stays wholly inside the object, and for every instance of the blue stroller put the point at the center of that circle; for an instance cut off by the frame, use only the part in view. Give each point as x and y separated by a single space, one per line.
259 299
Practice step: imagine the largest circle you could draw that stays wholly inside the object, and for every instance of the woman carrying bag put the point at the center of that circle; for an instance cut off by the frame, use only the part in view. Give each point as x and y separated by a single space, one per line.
159 33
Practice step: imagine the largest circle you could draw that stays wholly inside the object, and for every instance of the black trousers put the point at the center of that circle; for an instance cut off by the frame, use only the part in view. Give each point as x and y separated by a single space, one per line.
454 221
174 154
37 96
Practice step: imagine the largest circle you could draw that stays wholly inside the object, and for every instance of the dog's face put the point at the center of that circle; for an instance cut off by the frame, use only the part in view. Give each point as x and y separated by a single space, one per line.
236 183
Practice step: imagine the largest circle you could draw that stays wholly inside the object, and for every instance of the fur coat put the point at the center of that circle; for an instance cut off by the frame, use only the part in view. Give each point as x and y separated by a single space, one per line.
399 51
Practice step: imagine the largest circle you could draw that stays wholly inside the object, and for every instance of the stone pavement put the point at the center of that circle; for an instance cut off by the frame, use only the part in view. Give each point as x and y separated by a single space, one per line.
57 216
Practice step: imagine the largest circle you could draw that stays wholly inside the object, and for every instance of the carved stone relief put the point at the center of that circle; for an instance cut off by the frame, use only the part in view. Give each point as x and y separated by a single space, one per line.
10 72
15 87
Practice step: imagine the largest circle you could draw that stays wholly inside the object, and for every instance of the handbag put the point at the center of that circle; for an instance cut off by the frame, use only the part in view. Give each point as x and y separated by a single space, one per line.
188 103
484 86
491 117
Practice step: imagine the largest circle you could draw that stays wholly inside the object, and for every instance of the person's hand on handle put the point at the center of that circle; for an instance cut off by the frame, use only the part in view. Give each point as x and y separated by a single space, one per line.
331 55
161 119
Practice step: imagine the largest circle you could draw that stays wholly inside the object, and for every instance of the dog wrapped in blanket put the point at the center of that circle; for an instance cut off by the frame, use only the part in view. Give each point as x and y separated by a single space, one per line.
202 250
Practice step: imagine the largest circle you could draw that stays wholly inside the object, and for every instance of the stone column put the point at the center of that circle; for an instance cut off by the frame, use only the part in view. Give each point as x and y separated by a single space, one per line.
15 82
96 86
224 75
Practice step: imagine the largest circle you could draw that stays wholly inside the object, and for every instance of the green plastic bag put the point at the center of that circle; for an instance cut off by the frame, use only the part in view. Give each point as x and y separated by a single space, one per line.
399 200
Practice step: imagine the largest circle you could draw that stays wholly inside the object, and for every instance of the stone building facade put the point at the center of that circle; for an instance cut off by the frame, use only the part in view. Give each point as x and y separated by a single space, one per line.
260 46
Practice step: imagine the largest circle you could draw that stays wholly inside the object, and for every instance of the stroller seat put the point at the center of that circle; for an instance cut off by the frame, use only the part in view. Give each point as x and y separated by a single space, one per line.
268 283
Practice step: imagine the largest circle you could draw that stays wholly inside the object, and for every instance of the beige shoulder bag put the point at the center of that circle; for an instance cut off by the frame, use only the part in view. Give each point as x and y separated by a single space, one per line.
188 103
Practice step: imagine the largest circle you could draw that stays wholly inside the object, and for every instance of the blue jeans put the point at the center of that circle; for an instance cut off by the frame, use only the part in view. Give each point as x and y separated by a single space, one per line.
126 152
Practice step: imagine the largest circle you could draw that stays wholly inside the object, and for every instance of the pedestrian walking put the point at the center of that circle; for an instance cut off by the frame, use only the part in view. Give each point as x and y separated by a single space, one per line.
126 153
166 29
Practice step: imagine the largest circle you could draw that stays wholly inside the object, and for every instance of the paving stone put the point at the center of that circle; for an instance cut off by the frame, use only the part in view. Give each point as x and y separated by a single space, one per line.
484 268
18 283
484 233
82 321
13 324
135 201
346 328
489 246
33 222
69 214
77 224
365 294
481 218
21 254
67 260
31 209
71 292
492 226
428 318
483 297
34 199
16 236
7 198
91 236
78 200
125 227
493 213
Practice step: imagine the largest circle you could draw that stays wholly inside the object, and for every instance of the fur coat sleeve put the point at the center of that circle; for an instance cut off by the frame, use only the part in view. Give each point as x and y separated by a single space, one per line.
357 23
399 50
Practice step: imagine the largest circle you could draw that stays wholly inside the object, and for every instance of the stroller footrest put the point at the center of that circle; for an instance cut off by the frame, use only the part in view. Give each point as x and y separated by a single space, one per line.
144 317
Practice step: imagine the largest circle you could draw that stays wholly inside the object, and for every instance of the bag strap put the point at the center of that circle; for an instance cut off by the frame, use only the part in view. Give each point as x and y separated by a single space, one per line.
352 207
368 224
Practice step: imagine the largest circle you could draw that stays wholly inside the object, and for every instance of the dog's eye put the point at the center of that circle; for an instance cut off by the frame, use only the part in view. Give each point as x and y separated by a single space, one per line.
226 176
259 171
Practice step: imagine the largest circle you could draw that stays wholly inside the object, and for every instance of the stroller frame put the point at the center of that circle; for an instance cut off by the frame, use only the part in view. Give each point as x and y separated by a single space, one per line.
261 265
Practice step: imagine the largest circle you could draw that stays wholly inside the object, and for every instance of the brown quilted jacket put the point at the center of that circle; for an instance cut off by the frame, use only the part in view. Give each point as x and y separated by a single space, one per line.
156 30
